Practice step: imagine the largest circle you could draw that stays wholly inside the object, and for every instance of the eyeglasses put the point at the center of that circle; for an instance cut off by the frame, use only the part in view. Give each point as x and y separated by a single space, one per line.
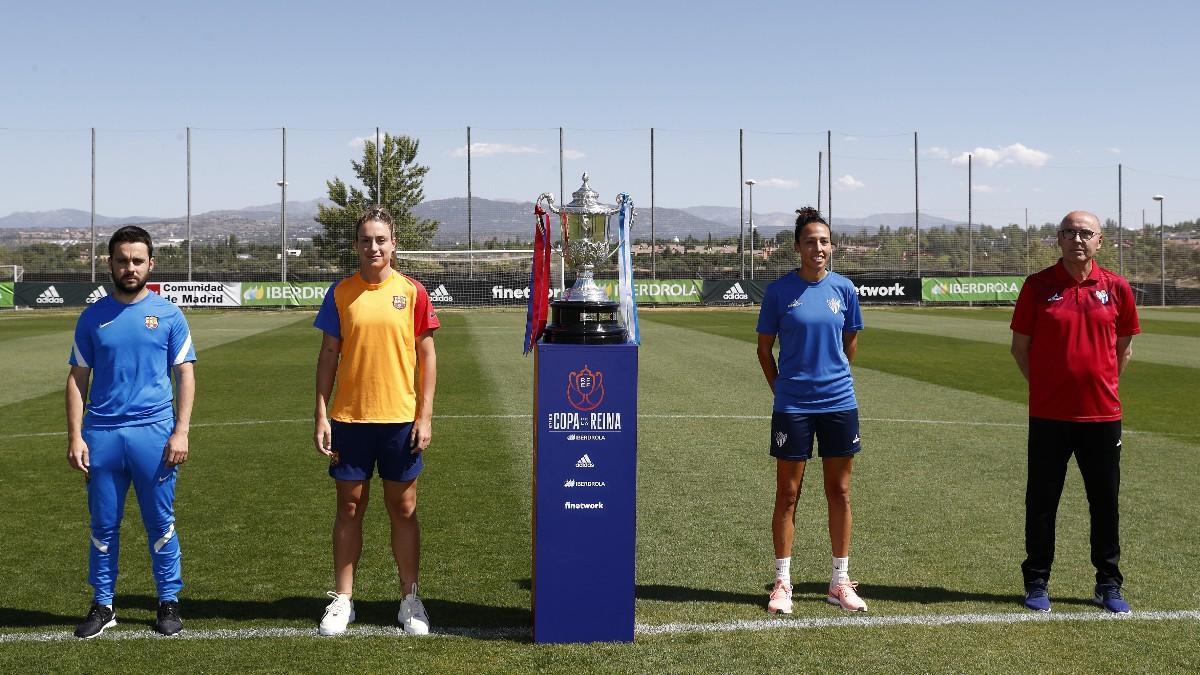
1084 235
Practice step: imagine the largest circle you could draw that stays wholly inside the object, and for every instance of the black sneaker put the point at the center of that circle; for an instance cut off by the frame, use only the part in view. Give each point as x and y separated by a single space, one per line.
99 617
168 622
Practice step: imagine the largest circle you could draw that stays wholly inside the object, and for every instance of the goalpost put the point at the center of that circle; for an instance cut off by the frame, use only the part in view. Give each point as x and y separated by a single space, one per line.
481 278
11 272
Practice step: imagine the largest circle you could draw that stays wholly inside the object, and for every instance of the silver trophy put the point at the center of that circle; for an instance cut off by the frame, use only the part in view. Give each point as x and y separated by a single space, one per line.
587 240
585 314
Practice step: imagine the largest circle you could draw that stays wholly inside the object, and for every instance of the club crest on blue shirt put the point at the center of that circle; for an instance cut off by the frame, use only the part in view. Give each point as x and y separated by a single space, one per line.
151 322
835 305
399 301
1102 296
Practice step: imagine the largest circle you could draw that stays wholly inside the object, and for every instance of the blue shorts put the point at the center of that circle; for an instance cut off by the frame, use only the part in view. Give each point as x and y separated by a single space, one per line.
836 434
359 446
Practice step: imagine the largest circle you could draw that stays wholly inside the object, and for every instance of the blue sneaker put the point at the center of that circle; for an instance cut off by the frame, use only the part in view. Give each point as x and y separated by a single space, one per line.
1036 598
1109 597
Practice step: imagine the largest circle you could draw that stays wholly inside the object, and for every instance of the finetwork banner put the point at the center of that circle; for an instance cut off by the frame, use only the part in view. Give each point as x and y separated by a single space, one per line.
6 294
971 289
887 290
659 291
277 293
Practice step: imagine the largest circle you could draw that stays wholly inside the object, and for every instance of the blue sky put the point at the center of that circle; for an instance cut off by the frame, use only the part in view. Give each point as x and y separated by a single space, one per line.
1049 96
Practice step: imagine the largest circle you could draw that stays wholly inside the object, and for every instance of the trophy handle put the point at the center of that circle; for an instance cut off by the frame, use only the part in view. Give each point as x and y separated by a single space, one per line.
622 200
549 199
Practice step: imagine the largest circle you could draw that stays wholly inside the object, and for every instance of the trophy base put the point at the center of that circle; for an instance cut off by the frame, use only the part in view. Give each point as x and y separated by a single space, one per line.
584 323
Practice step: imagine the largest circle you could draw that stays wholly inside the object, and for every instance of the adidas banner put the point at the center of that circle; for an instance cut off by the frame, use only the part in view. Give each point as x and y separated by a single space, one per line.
733 292
6 294
57 294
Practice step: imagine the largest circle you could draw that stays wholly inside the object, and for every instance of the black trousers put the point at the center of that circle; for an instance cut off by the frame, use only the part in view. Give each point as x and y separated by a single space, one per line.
1097 450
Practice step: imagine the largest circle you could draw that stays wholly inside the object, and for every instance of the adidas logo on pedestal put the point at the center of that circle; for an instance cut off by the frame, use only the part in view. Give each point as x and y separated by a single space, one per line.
49 296
96 295
440 294
736 292
584 462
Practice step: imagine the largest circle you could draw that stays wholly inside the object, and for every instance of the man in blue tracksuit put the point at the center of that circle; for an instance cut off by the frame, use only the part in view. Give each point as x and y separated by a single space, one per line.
127 345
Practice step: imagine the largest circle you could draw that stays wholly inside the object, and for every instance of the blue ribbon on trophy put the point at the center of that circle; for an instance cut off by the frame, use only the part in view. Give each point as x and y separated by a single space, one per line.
626 295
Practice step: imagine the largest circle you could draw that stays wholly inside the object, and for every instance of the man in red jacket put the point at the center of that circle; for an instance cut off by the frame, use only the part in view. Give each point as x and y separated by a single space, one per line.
1072 330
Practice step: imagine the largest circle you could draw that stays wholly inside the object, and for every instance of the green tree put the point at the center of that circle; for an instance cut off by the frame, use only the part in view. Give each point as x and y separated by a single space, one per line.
398 188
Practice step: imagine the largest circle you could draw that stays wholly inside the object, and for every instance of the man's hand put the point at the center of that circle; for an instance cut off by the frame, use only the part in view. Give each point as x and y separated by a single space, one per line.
176 452
422 433
77 454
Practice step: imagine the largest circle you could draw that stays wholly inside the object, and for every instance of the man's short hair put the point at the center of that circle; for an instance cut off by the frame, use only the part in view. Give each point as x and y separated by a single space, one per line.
376 213
130 234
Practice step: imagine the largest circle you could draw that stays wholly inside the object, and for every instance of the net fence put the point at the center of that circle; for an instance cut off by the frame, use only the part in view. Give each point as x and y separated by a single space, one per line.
278 205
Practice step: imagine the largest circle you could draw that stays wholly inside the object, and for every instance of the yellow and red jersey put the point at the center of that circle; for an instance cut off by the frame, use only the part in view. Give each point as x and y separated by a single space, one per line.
378 325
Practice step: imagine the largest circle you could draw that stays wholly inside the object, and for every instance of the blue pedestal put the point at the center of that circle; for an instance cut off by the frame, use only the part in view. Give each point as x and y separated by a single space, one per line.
584 492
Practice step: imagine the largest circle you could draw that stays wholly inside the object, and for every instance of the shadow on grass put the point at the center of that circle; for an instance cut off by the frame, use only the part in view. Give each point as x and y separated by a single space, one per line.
368 612
924 595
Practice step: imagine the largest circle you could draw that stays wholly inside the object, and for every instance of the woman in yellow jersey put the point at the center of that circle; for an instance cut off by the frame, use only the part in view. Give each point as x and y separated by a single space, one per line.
378 345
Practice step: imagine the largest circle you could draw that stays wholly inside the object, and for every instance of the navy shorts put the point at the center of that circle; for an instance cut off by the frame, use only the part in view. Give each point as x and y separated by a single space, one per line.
836 433
360 446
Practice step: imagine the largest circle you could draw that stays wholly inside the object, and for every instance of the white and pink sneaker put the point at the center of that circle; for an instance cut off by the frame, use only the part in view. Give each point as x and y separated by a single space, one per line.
781 598
844 595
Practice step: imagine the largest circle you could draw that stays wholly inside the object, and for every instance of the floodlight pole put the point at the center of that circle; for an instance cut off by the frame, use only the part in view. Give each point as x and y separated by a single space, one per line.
970 234
189 201
741 204
93 205
1162 253
282 183
750 182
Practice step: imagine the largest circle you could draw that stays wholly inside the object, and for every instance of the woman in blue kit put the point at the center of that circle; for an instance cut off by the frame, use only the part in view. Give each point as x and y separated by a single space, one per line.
815 315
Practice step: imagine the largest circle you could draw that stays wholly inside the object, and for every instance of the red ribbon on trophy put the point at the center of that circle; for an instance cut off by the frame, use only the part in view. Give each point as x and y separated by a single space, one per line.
539 280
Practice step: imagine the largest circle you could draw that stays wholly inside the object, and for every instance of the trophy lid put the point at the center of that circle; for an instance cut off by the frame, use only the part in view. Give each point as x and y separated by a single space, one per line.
584 200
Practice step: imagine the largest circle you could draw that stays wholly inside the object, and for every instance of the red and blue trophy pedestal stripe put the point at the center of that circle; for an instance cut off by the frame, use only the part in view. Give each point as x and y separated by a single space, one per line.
584 492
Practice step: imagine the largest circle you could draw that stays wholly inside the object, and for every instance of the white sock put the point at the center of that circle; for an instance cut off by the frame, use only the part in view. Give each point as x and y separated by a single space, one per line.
783 570
841 569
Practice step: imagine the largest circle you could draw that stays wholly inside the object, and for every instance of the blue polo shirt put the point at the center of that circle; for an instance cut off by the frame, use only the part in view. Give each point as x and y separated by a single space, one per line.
809 318
131 350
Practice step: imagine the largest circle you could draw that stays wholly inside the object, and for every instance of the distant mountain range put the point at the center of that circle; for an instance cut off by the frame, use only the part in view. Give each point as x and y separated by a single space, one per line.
490 218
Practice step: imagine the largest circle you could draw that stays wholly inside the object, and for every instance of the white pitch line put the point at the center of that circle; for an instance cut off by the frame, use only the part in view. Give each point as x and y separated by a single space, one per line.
677 416
515 632
865 621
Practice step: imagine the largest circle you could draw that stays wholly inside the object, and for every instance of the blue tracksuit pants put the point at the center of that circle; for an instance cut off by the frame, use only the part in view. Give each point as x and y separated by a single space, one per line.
120 456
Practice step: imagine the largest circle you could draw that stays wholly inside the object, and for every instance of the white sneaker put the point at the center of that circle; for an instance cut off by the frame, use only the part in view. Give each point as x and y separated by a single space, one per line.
412 615
338 615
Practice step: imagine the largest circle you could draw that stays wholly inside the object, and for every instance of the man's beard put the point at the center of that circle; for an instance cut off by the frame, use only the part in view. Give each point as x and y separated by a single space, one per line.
125 290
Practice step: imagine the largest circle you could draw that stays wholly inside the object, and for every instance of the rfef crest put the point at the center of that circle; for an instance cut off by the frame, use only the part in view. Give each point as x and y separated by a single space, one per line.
585 389
151 322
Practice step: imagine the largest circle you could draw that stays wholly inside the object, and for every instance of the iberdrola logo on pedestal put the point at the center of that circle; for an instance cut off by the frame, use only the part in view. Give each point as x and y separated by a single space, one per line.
585 389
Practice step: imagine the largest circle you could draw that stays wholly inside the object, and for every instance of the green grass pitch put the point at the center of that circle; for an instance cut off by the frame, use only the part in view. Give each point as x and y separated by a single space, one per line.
937 495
